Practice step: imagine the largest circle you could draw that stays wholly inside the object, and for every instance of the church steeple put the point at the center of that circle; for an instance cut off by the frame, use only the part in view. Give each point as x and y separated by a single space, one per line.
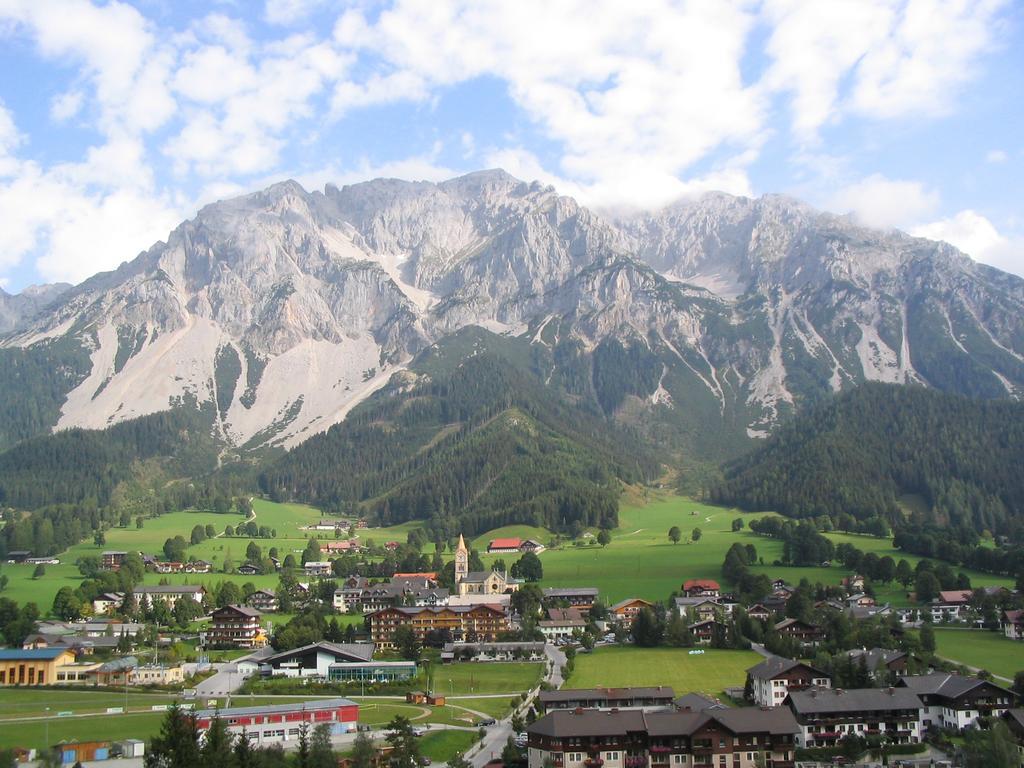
461 560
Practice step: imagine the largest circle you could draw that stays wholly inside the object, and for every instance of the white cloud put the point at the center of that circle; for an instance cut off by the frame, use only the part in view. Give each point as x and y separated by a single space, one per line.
978 237
875 58
880 202
289 11
64 106
996 156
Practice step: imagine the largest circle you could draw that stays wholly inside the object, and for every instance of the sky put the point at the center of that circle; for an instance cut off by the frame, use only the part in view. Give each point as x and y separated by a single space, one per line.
118 120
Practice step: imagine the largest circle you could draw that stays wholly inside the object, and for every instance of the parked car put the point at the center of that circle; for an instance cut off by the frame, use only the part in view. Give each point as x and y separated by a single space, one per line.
487 721
418 731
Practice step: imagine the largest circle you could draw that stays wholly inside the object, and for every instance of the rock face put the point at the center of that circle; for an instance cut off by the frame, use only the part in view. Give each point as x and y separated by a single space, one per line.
285 308
17 309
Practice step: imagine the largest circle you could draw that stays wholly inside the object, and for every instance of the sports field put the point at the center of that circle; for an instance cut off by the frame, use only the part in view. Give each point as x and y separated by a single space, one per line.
469 677
982 649
710 672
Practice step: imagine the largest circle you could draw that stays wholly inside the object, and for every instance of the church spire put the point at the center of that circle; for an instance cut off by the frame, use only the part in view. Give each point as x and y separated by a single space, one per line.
461 560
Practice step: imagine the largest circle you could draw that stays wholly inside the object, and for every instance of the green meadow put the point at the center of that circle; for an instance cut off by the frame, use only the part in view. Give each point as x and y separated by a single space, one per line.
981 649
710 672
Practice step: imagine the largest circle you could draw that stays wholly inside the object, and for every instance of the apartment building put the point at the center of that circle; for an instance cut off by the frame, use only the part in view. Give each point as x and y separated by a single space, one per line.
827 715
478 623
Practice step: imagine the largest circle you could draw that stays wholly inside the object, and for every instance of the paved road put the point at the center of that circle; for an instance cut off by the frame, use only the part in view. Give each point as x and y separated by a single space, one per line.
557 659
226 680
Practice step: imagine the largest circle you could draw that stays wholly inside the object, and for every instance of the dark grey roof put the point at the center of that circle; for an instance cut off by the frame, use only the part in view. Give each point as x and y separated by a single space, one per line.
1017 715
165 589
817 700
607 694
359 651
697 702
776 720
876 658
777 665
245 610
570 591
590 722
674 723
943 684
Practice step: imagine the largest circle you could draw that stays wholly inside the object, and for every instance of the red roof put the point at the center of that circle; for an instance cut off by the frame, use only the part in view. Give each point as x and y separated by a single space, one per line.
505 544
700 584
432 575
955 596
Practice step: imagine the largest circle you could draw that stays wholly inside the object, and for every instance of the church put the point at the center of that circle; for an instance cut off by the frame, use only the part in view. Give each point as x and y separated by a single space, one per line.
480 582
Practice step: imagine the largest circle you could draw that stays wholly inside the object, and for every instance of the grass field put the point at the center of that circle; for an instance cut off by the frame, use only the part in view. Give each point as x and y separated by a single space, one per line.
496 707
483 678
710 672
441 746
982 649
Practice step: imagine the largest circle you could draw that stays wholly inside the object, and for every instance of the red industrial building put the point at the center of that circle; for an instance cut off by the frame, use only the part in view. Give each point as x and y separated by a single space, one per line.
275 723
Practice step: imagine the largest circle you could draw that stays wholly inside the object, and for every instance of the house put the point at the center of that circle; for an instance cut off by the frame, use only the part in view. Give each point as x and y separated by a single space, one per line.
865 612
859 599
853 583
703 632
774 678
169 567
701 588
881 663
169 593
248 569
630 738
18 555
37 666
505 651
827 715
625 611
659 697
504 545
699 608
807 635
561 623
317 568
1013 624
263 600
276 723
111 559
759 611
582 598
1014 719
198 566
956 701
236 626
951 605
107 602
476 623
697 702
531 545
316 659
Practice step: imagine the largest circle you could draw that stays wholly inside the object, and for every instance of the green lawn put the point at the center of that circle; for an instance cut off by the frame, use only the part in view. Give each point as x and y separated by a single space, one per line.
37 734
709 673
486 677
494 707
441 746
982 649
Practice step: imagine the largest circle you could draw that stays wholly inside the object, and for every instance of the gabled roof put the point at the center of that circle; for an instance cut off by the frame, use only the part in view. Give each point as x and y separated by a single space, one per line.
607 694
955 596
944 684
557 592
817 700
170 589
787 623
346 651
245 610
511 543
778 665
629 601
876 658
700 584
697 702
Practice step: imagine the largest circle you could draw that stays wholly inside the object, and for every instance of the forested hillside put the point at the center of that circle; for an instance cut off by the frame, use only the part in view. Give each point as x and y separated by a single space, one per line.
473 448
854 456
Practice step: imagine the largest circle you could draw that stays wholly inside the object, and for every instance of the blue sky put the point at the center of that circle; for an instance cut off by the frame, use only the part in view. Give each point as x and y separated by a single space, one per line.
118 119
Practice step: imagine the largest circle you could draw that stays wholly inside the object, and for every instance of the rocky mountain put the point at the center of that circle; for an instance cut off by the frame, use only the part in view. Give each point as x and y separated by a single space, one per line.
16 309
701 324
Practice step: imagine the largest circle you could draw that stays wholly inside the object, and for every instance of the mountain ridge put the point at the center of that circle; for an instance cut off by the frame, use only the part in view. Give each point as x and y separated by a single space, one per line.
286 308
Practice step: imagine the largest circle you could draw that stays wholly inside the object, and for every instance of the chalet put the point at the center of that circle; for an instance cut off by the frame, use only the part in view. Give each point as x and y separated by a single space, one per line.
391 546
703 632
107 602
531 545
561 623
625 611
248 569
860 599
865 612
760 612
198 566
111 559
701 588
316 659
827 715
807 635
774 603
504 545
629 738
1013 624
951 605
479 623
1014 719
775 678
881 663
18 555
263 600
169 567
853 583
607 698
237 626
317 568
956 701
699 608
576 597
